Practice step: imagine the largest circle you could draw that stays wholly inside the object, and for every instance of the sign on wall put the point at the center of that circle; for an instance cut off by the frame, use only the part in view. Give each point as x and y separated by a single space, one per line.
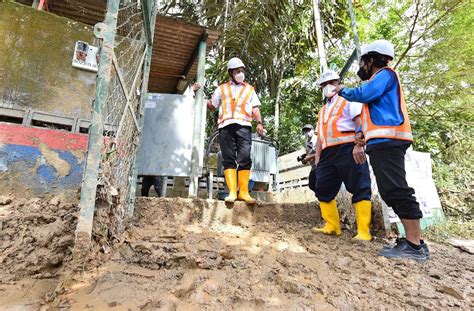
419 177
85 56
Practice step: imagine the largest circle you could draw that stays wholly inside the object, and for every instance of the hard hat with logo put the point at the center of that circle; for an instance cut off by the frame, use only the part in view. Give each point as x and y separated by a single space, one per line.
328 75
383 47
235 62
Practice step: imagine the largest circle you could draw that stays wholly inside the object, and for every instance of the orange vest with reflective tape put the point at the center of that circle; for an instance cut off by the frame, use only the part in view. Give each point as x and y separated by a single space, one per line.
327 130
235 106
402 131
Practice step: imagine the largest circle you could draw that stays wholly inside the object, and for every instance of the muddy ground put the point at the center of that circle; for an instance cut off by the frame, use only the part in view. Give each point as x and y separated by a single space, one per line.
173 257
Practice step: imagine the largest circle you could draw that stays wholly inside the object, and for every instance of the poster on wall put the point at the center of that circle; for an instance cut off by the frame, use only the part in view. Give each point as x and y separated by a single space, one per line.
85 56
419 177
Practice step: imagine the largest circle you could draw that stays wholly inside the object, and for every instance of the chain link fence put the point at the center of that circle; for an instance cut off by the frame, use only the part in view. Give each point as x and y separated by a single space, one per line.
116 125
122 107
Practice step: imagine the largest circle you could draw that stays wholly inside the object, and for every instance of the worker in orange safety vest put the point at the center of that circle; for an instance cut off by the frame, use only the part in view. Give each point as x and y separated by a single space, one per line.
385 135
238 106
337 124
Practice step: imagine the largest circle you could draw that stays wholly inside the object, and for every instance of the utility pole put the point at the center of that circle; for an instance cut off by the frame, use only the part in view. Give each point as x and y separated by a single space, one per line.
323 65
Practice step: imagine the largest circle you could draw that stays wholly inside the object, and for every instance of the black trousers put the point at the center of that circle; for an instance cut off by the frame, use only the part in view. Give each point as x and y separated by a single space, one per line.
148 181
389 169
336 165
236 144
312 179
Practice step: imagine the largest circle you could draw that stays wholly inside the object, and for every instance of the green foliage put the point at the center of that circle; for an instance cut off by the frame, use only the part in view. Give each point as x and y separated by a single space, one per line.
434 56
451 228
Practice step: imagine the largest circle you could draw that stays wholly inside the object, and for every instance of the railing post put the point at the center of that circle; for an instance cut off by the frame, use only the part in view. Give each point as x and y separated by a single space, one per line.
106 32
199 122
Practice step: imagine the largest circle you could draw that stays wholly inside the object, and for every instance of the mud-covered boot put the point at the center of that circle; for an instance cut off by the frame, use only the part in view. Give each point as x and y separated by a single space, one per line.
330 215
363 216
244 177
231 182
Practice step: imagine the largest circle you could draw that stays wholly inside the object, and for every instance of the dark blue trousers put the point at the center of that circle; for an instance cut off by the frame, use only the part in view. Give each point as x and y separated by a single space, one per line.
336 165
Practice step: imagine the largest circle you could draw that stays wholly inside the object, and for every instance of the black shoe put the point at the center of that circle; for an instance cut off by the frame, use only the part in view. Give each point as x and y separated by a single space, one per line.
404 250
422 243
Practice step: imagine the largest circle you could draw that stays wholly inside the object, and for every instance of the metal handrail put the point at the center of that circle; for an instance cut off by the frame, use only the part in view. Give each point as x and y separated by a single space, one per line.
266 139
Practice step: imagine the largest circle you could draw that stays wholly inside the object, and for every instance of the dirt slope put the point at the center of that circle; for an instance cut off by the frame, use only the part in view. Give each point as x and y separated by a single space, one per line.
172 261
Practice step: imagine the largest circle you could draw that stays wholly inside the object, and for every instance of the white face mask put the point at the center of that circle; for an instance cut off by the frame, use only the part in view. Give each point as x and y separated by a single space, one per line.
308 134
240 77
328 90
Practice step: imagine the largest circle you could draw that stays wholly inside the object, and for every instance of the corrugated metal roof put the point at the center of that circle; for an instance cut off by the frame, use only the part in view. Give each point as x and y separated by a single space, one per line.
175 41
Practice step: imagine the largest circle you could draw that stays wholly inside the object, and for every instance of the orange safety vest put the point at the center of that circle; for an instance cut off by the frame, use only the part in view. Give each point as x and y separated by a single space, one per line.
327 130
238 107
402 131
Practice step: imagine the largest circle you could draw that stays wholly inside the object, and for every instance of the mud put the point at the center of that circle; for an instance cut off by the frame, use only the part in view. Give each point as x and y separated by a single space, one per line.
172 258
36 237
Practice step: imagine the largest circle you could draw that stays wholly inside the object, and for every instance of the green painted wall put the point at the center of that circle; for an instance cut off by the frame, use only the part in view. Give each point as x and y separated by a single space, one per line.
36 50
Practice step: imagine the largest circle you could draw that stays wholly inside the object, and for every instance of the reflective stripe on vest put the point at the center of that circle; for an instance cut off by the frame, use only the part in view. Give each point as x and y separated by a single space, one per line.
327 131
402 131
235 107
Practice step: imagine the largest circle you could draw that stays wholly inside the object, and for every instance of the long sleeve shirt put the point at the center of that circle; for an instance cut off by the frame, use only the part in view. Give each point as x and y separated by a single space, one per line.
381 94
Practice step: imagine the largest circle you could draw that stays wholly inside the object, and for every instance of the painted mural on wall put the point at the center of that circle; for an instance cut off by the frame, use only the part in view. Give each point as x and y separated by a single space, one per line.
41 162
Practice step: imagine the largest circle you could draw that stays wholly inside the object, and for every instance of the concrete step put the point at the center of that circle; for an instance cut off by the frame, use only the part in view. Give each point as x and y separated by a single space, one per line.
213 213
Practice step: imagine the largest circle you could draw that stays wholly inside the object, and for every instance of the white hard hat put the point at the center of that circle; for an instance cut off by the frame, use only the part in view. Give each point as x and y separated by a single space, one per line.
235 62
365 50
383 47
328 75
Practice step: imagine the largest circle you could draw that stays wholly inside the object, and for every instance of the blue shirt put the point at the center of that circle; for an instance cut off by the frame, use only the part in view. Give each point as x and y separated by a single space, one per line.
381 94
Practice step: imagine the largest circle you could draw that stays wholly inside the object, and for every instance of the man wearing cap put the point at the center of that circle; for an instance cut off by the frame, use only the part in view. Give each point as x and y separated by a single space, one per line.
238 106
337 122
310 147
386 131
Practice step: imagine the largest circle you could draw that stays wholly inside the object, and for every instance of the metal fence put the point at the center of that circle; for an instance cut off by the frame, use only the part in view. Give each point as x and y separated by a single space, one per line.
114 135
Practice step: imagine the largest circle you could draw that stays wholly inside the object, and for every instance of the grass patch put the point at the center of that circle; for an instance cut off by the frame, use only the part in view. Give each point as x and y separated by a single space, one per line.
451 228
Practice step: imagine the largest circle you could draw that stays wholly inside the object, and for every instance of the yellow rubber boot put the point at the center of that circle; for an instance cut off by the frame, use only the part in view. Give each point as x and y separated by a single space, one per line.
244 176
363 215
330 215
231 182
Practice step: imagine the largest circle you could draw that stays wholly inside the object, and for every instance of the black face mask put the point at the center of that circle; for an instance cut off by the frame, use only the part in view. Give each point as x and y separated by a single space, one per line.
363 75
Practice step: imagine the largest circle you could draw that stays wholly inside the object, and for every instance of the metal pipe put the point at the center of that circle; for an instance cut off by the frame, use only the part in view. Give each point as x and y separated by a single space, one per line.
106 32
199 124
323 65
141 117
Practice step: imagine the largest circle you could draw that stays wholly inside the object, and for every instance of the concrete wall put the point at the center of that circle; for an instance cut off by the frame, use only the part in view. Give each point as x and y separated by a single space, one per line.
36 50
37 162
